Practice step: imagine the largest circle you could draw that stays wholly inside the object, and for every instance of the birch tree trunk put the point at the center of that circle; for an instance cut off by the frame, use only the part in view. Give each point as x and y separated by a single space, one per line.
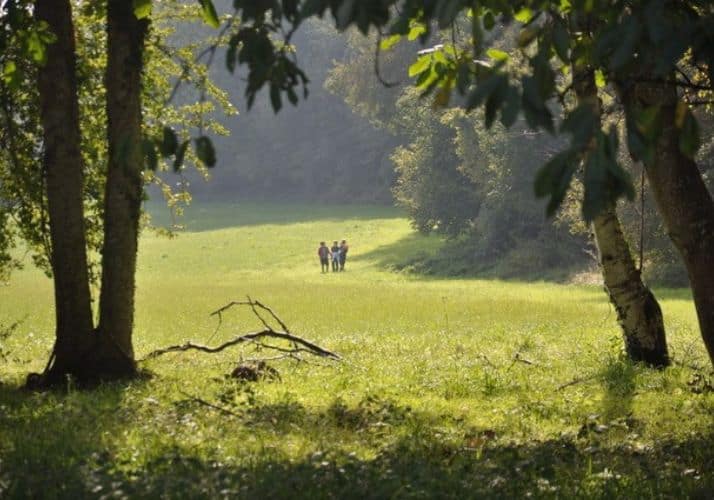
638 311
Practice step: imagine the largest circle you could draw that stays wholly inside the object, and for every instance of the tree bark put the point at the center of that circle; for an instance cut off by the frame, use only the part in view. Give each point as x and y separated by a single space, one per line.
638 311
681 196
62 162
122 205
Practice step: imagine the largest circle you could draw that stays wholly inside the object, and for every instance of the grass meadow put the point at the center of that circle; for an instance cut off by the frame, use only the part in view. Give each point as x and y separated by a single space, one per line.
449 388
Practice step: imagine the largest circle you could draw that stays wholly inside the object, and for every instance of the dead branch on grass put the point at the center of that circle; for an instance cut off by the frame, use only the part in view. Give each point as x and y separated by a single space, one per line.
575 381
299 344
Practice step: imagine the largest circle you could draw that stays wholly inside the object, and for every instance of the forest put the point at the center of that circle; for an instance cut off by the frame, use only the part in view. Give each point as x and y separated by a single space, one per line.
519 298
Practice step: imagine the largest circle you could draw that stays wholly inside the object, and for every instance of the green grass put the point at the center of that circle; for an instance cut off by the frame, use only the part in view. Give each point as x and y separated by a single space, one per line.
429 401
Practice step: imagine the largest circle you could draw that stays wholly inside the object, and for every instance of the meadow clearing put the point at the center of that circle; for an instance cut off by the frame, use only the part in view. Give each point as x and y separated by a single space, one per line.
448 388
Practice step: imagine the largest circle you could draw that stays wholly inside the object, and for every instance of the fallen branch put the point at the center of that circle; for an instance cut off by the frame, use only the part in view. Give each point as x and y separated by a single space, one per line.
299 344
517 358
575 381
249 337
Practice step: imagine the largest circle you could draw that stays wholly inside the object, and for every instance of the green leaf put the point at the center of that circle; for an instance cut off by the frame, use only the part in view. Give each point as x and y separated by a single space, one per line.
629 33
205 151
600 81
493 103
420 65
36 48
511 107
275 100
582 123
180 155
561 41
524 15
553 179
497 55
416 31
11 75
649 123
689 140
232 53
151 159
484 90
446 11
169 142
389 42
489 21
142 8
292 96
208 12
604 180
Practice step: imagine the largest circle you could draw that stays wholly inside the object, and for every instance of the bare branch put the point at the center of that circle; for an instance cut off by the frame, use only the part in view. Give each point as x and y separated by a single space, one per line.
575 381
299 344
249 337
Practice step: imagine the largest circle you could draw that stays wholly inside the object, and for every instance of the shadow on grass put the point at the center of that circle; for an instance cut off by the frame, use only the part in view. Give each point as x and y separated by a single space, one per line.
48 438
618 376
65 452
211 216
431 257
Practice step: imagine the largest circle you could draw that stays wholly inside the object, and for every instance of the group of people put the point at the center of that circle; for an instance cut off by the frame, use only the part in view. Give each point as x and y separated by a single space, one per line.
336 253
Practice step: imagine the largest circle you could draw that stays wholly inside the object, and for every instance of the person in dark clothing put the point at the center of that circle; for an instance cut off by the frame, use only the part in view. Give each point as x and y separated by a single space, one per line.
344 248
324 253
335 251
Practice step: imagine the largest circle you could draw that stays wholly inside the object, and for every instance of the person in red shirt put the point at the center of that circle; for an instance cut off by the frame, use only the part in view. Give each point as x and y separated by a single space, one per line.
324 253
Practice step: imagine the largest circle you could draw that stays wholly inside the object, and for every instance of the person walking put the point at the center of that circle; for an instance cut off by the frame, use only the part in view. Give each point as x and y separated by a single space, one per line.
344 248
324 253
335 252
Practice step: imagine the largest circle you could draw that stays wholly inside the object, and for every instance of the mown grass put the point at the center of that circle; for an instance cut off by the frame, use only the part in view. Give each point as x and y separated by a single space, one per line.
429 402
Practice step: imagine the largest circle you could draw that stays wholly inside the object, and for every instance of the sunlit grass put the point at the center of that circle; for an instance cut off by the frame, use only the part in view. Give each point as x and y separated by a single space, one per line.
430 400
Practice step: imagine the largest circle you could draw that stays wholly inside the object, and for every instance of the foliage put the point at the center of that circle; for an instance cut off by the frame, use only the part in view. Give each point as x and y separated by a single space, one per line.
455 177
23 213
429 403
437 195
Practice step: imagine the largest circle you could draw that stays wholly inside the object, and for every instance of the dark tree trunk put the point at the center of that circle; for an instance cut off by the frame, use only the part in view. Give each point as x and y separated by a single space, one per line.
682 198
638 311
62 163
125 34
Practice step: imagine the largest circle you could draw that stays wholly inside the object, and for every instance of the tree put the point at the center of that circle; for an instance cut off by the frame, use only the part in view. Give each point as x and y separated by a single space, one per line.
80 350
638 311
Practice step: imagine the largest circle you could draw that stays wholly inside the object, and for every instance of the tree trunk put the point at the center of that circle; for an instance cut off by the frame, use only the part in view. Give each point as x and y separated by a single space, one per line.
682 198
62 163
638 311
124 187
